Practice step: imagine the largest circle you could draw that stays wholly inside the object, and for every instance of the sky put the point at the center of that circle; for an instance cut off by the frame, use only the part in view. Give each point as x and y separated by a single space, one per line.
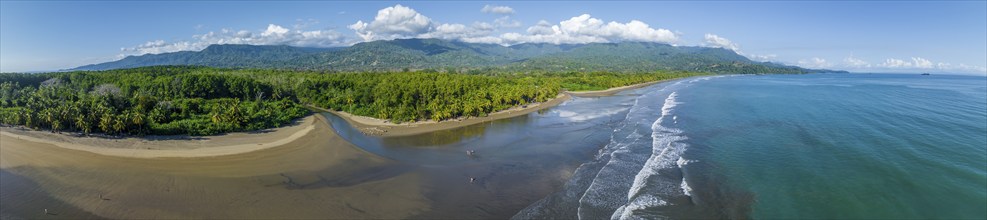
870 36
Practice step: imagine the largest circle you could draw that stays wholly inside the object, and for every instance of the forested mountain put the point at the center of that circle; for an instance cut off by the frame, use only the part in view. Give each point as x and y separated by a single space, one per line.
231 55
459 56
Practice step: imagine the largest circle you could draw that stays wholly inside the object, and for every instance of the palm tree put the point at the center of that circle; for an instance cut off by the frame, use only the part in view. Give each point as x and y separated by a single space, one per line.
82 124
216 117
234 112
29 119
106 123
49 116
138 120
119 125
55 126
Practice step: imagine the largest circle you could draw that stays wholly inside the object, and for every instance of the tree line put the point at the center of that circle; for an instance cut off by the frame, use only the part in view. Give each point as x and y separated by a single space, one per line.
203 100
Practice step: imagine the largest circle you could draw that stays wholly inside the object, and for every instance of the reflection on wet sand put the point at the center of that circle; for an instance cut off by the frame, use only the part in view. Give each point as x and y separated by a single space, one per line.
316 176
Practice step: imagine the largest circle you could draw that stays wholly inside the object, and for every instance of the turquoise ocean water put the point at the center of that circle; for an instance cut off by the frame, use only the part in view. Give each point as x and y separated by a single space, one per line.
790 146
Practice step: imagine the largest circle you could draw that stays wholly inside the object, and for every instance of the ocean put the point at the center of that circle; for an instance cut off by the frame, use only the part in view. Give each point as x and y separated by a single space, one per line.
789 146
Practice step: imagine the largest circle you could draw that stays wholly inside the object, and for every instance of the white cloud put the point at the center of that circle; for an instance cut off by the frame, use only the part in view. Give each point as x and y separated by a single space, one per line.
403 22
541 28
895 63
716 41
917 63
507 22
814 62
586 29
921 62
713 40
483 26
853 62
393 22
274 30
497 9
272 35
458 31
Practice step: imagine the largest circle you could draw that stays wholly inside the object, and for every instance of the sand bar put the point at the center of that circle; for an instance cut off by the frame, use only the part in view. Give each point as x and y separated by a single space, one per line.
171 146
610 91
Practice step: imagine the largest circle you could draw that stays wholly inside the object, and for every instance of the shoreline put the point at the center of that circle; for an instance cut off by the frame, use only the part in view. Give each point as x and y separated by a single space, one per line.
611 91
179 146
383 128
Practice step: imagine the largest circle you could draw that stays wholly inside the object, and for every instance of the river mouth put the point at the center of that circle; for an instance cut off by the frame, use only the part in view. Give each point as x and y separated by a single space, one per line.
517 161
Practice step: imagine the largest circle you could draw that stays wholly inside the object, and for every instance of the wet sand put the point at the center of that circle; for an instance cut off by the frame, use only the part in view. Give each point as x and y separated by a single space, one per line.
319 175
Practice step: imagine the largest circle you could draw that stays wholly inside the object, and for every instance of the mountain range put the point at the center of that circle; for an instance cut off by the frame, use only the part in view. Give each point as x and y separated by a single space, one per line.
403 54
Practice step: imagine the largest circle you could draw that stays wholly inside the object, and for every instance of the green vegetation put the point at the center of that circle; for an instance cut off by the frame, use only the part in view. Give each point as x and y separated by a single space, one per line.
204 100
475 58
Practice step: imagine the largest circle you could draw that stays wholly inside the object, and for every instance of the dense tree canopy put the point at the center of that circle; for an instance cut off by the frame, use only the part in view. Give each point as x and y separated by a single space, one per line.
204 100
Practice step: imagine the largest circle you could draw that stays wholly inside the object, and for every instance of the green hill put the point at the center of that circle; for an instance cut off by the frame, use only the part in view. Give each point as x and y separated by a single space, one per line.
400 54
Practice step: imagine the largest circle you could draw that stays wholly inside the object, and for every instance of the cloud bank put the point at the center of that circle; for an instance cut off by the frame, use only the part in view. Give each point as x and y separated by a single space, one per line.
403 22
398 22
913 64
273 35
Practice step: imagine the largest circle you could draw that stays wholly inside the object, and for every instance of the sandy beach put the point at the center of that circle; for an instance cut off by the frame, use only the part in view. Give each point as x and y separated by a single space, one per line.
303 171
171 146
610 91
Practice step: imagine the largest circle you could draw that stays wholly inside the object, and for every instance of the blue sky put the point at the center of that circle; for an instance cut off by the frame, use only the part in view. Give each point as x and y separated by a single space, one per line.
882 36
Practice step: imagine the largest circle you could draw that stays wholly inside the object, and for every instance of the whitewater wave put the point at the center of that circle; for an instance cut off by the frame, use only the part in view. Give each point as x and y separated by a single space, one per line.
667 149
604 188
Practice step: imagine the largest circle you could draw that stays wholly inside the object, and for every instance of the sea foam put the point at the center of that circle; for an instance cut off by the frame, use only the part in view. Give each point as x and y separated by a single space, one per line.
666 153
